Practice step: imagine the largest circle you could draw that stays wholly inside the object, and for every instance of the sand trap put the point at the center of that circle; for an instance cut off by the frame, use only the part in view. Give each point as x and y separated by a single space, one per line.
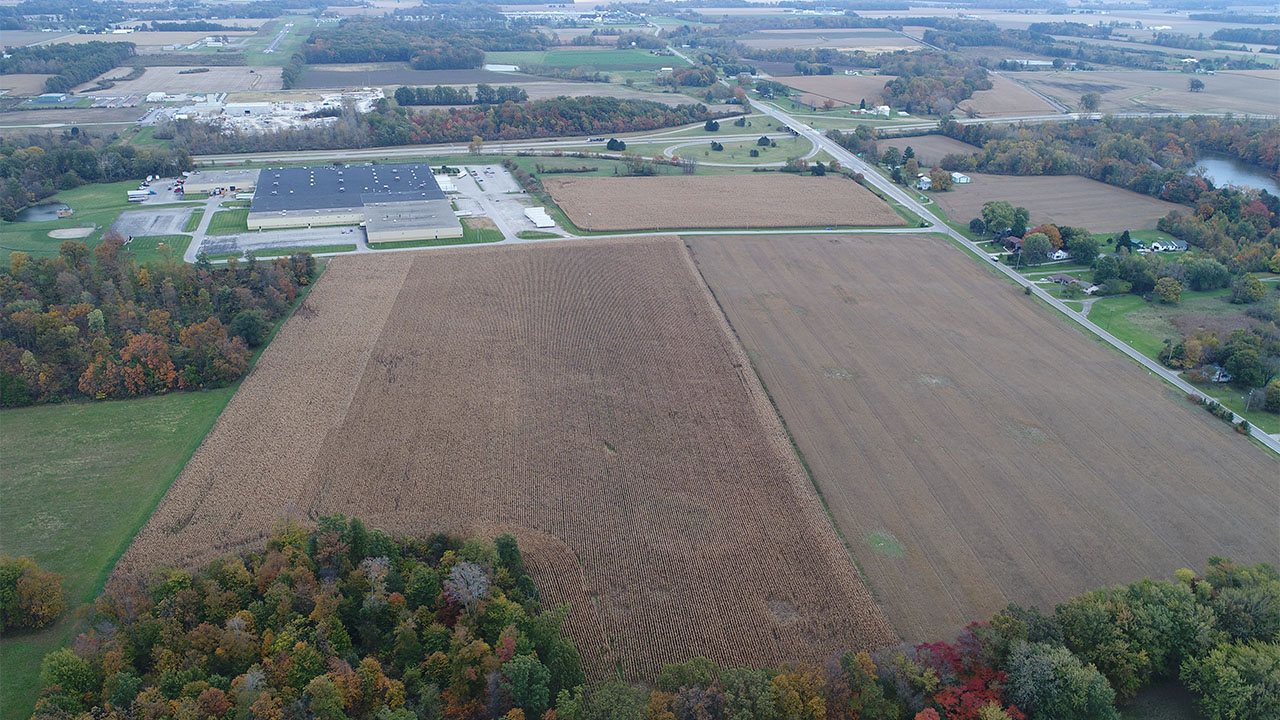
69 233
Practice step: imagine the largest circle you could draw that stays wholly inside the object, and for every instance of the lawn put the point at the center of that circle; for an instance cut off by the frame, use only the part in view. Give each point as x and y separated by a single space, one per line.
284 252
96 205
535 235
612 59
193 222
81 480
146 248
229 222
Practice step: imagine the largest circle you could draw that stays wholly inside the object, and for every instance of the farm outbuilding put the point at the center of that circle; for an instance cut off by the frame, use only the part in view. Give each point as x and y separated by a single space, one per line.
960 178
395 202
539 217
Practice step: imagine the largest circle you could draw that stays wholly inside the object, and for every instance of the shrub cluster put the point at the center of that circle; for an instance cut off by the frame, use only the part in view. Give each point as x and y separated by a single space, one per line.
30 597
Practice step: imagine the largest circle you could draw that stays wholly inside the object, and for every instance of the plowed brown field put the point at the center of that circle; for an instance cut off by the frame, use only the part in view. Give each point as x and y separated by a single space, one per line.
588 398
717 201
973 448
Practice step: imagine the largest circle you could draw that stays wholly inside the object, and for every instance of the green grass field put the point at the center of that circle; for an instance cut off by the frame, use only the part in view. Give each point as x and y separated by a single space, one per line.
535 235
80 480
146 248
229 222
284 252
193 222
96 205
609 59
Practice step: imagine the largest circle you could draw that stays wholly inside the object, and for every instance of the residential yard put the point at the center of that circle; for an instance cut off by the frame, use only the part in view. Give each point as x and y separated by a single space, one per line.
80 480
1147 325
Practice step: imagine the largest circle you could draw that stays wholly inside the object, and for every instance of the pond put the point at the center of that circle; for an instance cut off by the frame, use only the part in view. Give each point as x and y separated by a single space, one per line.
1226 170
42 212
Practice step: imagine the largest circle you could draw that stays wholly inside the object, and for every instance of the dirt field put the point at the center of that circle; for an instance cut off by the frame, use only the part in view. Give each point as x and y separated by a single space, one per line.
844 89
1059 199
336 76
1006 98
717 201
588 398
21 84
870 40
1152 91
168 79
929 149
975 449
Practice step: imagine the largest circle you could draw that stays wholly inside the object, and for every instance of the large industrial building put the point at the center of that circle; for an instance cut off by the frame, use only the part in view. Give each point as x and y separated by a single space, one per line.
393 202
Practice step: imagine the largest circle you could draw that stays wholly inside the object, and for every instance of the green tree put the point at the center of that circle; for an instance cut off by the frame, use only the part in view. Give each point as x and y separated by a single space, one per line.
978 226
1195 85
1090 101
1236 681
324 699
1168 290
251 325
748 694
69 671
1035 248
1272 403
892 157
29 595
697 672
1247 289
525 680
711 125
1084 248
1050 683
1206 274
763 141
939 179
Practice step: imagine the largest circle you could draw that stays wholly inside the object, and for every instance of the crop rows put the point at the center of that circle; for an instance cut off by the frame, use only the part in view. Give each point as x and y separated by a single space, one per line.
587 398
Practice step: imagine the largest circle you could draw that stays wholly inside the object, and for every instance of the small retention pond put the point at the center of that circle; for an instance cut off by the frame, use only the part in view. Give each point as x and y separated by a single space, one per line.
42 212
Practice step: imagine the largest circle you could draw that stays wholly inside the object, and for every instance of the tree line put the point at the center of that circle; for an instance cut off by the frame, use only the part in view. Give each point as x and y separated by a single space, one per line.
38 165
441 95
70 65
387 125
347 623
94 324
426 45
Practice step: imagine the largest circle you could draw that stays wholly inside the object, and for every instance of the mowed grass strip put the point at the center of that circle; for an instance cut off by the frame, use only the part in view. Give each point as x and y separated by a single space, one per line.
79 481
147 248
229 222
193 222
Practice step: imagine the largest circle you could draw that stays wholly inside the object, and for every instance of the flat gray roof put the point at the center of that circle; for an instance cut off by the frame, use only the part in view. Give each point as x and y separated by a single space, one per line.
326 186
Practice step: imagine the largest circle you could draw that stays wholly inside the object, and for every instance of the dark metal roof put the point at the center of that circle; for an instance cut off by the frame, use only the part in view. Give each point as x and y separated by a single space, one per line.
347 186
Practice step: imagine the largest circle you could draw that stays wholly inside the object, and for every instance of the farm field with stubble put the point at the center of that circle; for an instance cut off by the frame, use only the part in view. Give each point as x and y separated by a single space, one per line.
587 398
717 201
973 448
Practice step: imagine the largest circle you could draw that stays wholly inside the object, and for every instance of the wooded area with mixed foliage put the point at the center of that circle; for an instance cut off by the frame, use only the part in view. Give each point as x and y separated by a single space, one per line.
341 622
446 41
95 324
441 95
345 623
38 165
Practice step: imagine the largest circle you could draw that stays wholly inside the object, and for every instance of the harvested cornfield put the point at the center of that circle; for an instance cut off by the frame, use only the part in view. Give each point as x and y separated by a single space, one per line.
841 89
1059 199
588 398
1007 98
974 448
717 201
929 149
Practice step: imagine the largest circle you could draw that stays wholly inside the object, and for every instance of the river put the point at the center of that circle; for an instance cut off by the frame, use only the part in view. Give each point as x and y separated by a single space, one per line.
1226 170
